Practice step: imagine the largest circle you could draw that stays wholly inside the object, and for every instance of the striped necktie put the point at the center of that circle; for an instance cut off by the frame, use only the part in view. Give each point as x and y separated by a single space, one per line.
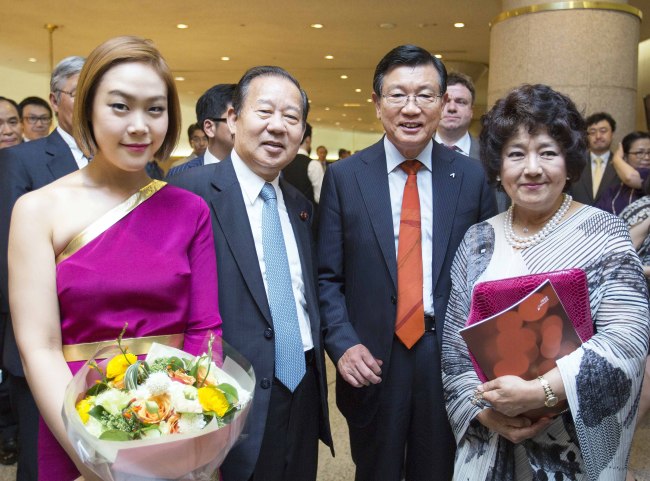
409 324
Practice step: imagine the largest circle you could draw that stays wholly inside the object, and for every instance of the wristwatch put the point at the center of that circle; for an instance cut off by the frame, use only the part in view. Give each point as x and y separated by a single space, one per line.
551 398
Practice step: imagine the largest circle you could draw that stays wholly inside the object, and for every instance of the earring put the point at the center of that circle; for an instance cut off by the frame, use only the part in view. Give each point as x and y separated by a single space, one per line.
498 178
568 178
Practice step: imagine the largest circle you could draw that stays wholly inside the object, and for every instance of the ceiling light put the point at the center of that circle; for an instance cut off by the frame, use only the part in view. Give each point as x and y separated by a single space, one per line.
327 108
438 55
182 26
344 115
387 25
337 123
316 25
179 79
344 76
351 105
329 57
31 59
317 119
225 59
368 100
359 119
357 90
459 24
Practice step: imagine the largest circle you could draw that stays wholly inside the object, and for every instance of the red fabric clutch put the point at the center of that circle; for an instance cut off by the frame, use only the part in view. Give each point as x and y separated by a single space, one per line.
492 297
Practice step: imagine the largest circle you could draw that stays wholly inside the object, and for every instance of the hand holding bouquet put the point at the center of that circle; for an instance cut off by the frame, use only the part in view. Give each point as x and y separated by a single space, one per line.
169 416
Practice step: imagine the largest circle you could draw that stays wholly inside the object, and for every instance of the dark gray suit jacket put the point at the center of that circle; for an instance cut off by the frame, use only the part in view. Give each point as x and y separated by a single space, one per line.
24 168
582 189
358 262
247 322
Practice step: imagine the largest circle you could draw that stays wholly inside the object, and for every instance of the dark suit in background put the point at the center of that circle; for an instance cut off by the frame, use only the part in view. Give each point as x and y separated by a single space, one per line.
247 322
195 162
296 174
503 201
582 190
358 289
24 168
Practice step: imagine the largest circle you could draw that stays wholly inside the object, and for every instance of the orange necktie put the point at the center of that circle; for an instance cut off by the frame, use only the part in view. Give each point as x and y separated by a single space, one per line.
409 325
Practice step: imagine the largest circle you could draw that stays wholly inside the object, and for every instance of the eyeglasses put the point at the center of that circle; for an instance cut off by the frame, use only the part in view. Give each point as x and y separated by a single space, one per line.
641 153
218 120
71 94
32 119
421 100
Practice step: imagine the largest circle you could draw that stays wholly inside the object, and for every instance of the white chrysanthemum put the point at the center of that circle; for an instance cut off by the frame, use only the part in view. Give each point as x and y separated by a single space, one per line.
94 427
190 423
141 393
185 399
158 383
113 400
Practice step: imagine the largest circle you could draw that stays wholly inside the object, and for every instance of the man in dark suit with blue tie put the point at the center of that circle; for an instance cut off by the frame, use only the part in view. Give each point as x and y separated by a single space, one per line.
267 279
392 217
26 167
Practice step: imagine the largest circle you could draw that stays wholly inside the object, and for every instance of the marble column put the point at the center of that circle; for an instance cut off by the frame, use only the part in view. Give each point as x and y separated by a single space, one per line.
587 50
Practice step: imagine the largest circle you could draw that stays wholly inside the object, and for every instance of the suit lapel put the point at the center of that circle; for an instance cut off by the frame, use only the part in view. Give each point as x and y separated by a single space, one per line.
372 179
447 182
608 178
229 208
60 160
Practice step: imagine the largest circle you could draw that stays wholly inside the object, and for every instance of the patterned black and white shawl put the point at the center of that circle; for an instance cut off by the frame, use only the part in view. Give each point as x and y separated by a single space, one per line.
602 378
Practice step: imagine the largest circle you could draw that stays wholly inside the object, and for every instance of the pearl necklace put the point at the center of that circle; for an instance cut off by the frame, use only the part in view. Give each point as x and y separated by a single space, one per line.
519 242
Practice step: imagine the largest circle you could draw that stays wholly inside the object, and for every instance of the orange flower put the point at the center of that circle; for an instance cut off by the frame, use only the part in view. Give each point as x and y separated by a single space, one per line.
154 409
181 377
201 374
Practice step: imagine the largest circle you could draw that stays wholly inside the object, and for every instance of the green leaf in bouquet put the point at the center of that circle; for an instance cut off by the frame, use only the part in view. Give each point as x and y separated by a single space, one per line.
175 363
96 389
136 374
230 392
115 435
99 413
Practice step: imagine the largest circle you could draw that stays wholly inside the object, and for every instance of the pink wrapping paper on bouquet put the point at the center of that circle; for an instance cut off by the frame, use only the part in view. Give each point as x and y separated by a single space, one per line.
190 457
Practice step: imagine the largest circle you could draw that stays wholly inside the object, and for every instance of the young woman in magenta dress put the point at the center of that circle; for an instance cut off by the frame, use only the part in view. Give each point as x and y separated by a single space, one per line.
107 245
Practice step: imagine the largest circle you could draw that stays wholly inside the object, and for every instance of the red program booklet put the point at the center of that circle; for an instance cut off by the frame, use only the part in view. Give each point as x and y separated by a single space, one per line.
524 340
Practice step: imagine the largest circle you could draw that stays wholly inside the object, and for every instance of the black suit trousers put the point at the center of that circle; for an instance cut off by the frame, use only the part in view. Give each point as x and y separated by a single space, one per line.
417 443
289 450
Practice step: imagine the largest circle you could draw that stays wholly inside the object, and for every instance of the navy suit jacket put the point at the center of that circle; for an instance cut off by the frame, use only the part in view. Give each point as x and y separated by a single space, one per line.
195 162
247 323
24 168
358 262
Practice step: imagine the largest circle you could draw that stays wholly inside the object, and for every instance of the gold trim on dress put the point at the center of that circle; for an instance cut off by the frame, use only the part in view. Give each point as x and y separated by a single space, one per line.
549 7
109 219
136 345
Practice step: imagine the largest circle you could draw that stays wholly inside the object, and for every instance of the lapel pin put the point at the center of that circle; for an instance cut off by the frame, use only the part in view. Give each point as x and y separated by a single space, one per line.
304 215
452 175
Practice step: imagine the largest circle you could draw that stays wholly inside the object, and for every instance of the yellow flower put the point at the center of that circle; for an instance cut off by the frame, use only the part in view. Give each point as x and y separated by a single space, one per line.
84 406
118 365
212 399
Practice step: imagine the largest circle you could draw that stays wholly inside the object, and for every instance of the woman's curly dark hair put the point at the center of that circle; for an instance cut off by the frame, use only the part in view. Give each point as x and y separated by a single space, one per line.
537 108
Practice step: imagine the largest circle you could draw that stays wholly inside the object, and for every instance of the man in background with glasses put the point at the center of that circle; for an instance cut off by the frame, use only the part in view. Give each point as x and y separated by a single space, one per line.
599 174
24 168
211 111
392 216
37 118
11 129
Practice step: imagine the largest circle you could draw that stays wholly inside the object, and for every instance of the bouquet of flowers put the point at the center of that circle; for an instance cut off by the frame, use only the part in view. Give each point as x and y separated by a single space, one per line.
169 416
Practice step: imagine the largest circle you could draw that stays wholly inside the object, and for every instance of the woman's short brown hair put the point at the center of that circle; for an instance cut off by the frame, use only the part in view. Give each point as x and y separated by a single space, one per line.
112 52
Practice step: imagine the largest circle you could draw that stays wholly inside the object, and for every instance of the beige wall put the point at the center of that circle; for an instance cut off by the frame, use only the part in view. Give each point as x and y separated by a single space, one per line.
643 85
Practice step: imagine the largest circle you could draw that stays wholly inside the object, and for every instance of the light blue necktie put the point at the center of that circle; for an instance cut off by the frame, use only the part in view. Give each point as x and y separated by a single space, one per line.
289 353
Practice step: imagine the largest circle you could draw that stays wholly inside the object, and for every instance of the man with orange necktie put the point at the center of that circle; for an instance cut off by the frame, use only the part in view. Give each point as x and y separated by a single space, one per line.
392 218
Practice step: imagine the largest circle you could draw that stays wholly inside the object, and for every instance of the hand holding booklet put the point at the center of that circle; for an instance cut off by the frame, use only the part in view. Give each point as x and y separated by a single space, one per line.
521 326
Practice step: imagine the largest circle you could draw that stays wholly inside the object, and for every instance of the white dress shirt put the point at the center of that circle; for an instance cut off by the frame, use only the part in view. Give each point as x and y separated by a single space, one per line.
78 155
464 143
208 158
396 182
251 185
315 173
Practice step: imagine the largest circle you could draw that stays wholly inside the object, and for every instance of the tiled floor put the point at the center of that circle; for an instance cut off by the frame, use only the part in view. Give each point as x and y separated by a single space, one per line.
341 467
